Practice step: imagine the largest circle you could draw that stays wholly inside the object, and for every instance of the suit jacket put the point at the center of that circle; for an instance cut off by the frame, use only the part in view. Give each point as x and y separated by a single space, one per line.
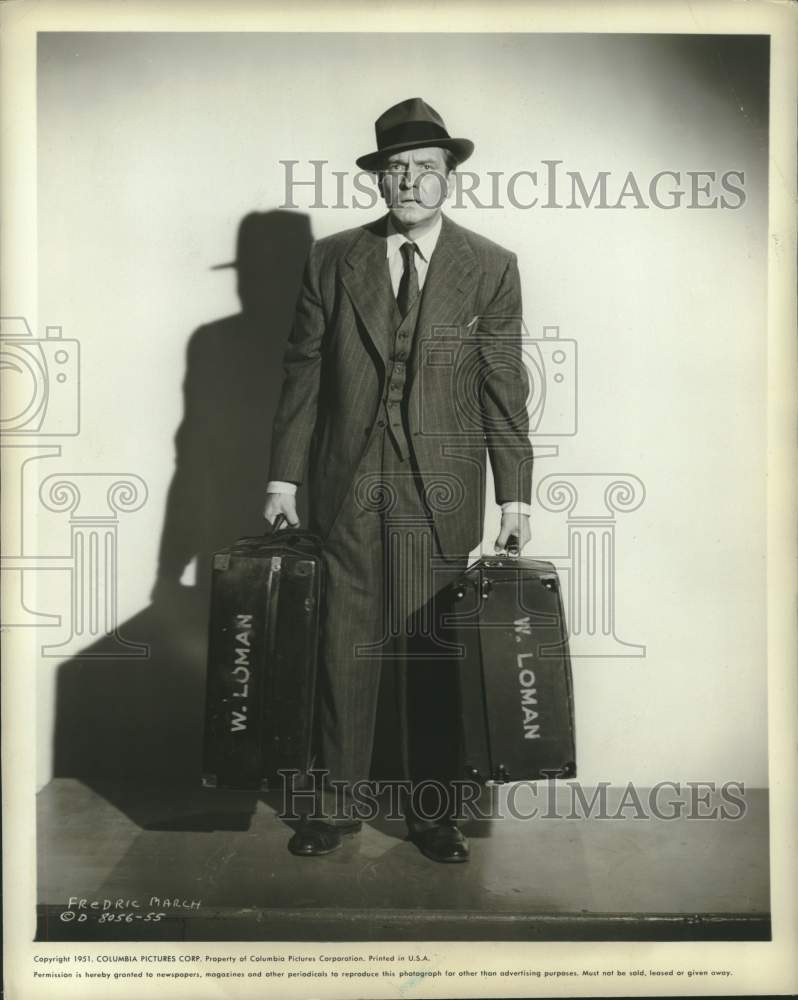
466 383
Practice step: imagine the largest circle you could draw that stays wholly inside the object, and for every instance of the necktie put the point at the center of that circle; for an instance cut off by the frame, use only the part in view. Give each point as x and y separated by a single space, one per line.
408 285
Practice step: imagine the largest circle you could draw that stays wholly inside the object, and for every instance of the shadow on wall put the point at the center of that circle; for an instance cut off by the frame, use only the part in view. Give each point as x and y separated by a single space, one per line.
128 719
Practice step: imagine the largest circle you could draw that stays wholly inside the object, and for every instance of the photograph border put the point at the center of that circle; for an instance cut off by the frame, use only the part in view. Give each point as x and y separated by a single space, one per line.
758 967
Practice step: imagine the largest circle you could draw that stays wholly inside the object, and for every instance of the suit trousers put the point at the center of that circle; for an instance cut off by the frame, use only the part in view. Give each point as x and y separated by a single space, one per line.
380 623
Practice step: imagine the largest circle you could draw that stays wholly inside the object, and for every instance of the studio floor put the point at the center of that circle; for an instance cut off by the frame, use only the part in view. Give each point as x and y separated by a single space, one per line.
215 864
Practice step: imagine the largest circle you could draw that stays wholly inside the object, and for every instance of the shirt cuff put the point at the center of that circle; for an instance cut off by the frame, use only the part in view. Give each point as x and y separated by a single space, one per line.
517 507
276 486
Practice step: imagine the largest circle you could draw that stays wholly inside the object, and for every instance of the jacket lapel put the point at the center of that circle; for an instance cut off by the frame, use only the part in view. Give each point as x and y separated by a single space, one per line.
448 279
368 282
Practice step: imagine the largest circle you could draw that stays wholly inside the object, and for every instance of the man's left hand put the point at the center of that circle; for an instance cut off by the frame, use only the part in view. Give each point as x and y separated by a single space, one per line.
513 524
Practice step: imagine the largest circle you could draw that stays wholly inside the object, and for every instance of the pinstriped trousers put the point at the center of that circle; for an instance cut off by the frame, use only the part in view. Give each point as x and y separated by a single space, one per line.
383 568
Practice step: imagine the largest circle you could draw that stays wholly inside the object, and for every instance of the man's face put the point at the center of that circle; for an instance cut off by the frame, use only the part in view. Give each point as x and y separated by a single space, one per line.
415 184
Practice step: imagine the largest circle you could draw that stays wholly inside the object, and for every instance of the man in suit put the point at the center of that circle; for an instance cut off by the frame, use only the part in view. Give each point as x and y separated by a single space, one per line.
403 368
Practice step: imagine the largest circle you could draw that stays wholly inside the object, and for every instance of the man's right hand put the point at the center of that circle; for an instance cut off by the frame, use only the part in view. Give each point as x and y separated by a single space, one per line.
281 503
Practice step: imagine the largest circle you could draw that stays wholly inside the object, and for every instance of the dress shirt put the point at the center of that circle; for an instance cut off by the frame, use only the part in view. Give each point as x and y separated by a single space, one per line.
425 245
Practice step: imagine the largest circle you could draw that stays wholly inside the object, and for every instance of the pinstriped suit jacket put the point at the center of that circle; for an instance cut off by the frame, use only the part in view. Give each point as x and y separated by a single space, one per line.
467 385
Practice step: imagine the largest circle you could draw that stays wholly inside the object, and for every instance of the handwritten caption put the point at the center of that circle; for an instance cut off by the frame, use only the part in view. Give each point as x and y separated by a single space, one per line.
106 910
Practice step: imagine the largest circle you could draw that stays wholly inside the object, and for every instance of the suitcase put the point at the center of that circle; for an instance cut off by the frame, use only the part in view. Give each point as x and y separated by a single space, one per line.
514 676
263 648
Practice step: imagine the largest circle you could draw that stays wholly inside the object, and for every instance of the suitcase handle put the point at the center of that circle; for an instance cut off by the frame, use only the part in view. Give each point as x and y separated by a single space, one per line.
291 535
278 523
513 549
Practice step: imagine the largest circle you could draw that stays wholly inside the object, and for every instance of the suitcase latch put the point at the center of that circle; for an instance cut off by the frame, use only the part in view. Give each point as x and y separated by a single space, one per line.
221 560
486 587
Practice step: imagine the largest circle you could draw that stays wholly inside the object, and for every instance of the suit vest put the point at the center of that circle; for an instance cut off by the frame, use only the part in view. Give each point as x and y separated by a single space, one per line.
394 396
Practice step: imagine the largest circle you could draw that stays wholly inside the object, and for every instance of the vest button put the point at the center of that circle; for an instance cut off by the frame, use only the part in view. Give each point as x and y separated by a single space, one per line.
380 423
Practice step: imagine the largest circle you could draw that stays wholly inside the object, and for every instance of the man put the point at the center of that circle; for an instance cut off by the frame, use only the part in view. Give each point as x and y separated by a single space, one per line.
403 366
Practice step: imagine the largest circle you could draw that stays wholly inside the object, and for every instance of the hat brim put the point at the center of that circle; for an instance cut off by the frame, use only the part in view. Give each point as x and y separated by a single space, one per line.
462 149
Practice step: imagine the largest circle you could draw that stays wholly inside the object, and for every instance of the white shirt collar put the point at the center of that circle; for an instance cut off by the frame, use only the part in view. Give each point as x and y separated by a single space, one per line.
425 243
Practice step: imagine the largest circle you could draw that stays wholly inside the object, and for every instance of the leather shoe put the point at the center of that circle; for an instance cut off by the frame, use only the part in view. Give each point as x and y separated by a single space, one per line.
314 838
444 843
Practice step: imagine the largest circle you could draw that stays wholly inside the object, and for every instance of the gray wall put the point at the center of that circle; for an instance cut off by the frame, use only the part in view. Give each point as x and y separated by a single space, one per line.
151 150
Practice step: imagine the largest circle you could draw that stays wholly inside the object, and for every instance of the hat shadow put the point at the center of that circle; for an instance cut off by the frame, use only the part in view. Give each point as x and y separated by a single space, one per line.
231 389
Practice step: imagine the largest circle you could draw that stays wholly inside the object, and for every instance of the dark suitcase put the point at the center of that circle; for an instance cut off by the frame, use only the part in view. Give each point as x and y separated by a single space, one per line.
263 646
515 687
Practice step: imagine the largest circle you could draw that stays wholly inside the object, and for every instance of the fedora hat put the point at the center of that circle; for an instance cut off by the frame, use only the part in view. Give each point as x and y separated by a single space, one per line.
411 124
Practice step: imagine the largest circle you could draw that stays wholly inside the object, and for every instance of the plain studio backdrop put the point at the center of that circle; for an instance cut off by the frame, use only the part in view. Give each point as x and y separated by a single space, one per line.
154 147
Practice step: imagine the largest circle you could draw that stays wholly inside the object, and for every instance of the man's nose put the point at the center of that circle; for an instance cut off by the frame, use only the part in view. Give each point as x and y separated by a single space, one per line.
408 178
